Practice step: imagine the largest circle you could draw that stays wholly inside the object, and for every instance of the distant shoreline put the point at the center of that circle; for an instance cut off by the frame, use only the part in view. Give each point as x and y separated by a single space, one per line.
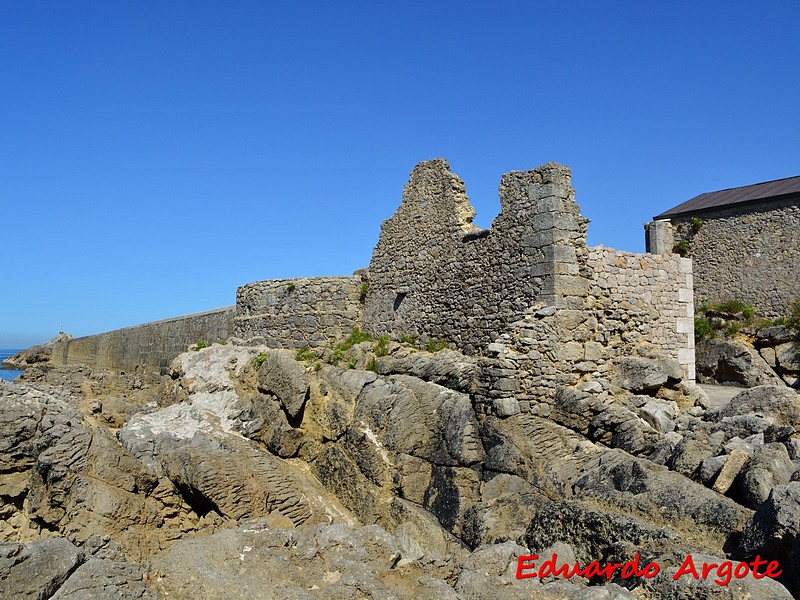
7 373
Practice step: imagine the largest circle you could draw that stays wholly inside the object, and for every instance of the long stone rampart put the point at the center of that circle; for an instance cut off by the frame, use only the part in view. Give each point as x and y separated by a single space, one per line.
150 346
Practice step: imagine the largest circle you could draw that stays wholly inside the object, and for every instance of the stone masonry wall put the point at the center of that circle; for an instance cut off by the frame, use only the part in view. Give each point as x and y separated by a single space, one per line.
292 313
749 253
527 296
435 275
637 305
643 299
540 308
150 347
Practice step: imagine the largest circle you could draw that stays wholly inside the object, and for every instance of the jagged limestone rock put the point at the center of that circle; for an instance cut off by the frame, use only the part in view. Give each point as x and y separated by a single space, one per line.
642 375
282 375
773 532
732 363
447 368
780 403
78 479
592 531
661 497
768 467
686 587
37 570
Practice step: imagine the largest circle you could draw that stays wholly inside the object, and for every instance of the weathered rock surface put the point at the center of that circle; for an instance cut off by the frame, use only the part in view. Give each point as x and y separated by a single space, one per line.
769 467
55 568
774 532
63 472
640 374
281 478
686 587
332 561
733 363
780 403
38 570
448 368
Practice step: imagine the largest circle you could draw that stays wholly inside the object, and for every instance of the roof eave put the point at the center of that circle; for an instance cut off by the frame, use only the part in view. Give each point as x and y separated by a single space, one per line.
671 213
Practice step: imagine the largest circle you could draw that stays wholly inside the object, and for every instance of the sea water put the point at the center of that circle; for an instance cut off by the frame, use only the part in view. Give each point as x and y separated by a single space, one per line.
7 374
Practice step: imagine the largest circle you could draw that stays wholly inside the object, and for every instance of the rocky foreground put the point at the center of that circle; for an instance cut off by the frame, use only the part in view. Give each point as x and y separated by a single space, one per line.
247 473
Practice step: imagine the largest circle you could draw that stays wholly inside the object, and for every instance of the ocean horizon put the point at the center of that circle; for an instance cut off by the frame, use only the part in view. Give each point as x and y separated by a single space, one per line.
8 374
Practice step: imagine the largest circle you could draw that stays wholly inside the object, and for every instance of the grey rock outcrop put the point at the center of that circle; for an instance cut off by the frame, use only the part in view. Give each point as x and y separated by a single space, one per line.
640 374
769 467
686 587
780 403
774 532
732 363
64 473
284 377
448 368
55 568
37 570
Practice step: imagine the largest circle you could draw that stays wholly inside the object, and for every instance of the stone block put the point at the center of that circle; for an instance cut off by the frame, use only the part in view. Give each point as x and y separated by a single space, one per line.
557 221
549 201
592 351
505 407
556 190
496 348
736 461
538 239
570 319
569 285
769 355
571 351
685 356
788 356
506 384
685 325
560 253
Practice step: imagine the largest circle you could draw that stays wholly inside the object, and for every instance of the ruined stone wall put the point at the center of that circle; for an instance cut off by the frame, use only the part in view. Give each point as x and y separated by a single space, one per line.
435 275
643 299
292 313
527 294
749 253
636 305
149 347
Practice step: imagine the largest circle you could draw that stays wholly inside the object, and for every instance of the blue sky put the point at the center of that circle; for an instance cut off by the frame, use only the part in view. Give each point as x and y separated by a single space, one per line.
156 155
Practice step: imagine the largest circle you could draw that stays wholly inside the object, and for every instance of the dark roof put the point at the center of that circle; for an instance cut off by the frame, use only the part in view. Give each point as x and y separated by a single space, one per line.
748 193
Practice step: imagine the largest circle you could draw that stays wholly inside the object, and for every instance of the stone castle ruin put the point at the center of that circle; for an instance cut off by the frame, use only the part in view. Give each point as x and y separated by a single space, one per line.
527 295
560 423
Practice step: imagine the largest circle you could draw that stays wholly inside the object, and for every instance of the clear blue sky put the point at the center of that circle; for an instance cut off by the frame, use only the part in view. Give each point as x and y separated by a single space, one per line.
156 155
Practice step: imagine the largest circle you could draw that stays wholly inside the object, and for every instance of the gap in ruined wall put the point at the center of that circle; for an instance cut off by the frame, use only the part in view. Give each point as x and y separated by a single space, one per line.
482 191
